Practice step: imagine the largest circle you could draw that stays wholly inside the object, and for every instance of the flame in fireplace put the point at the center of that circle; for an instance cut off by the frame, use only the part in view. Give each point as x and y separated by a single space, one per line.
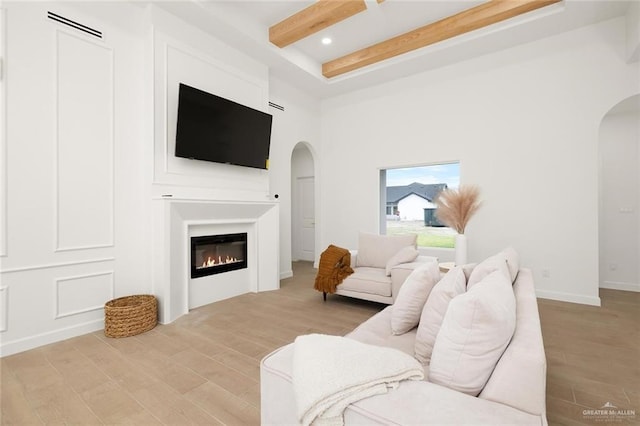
212 261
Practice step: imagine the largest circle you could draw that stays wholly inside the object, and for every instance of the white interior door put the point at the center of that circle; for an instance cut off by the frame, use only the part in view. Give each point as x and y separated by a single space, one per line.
307 219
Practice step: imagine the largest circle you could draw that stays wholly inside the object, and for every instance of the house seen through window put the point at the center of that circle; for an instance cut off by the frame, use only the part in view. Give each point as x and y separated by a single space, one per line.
407 197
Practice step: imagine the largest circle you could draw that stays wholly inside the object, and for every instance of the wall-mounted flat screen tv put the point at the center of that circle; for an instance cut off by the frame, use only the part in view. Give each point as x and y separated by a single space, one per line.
212 128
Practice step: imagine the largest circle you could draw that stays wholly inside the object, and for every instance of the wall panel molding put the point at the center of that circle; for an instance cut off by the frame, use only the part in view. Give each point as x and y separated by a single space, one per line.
83 293
84 144
4 308
198 66
56 265
253 93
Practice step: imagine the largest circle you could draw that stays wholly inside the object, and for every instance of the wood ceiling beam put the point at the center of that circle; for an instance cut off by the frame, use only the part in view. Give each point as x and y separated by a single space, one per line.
312 19
468 20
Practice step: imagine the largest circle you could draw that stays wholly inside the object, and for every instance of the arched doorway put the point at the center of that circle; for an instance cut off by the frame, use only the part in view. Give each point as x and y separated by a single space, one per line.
303 203
619 196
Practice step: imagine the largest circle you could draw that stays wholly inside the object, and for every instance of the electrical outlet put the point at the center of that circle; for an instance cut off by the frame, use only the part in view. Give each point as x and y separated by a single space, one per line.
546 273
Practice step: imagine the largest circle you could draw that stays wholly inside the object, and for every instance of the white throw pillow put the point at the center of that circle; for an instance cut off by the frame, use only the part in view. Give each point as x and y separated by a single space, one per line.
475 332
406 254
513 262
412 297
451 285
375 250
496 262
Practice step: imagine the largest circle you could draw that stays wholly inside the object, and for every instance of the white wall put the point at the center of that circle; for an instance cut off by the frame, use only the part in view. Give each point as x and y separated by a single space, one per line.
299 122
633 32
619 208
75 215
523 123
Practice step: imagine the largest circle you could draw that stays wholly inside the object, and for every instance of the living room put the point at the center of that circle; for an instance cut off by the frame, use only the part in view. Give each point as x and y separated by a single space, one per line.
528 124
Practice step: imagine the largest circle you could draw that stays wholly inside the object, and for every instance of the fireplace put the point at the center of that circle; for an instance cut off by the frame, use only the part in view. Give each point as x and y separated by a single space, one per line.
214 254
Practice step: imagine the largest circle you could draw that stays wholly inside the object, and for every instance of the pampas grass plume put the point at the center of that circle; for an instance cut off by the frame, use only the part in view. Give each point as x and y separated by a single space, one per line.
455 207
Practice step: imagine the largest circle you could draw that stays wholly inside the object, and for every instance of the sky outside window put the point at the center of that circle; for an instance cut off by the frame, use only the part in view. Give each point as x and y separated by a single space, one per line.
438 173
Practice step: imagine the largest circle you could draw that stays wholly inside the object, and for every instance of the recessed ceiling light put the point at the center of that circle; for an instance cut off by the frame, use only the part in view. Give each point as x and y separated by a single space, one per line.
326 41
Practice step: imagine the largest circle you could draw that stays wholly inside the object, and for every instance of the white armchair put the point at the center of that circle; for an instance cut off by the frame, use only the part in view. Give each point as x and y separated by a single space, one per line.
381 265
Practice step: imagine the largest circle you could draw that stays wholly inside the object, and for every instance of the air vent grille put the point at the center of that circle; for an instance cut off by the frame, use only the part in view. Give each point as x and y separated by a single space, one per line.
276 106
74 24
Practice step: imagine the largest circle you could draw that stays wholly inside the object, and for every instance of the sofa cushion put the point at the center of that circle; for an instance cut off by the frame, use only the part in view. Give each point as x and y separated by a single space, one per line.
368 280
497 262
451 285
376 250
468 269
405 255
475 331
412 297
377 331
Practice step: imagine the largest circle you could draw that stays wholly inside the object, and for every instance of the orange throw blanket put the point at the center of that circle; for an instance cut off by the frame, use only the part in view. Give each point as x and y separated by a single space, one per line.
335 266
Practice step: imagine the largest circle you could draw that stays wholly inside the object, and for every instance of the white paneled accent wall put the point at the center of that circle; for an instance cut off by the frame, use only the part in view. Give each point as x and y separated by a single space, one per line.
83 293
3 133
184 54
74 170
48 304
204 73
84 143
91 139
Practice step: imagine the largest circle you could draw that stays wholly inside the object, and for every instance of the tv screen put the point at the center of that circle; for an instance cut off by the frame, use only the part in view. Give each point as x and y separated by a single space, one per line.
212 128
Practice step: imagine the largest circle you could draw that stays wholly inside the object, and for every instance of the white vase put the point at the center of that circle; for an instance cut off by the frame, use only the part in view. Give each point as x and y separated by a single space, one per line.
461 249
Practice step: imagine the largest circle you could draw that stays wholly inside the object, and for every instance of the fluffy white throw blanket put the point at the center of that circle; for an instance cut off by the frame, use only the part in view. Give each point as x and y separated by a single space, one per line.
331 372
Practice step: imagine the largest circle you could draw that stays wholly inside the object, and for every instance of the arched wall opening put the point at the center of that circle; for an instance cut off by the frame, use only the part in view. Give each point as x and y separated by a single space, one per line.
619 196
304 205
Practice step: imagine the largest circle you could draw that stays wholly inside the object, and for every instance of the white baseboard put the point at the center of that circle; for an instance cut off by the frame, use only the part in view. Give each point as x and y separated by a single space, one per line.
615 285
568 297
286 274
32 342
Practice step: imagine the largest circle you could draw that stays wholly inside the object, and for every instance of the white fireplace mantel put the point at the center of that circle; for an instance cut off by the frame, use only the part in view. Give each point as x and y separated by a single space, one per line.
173 221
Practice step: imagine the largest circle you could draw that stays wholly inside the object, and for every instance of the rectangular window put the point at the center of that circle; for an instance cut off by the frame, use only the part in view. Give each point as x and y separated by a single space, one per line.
408 198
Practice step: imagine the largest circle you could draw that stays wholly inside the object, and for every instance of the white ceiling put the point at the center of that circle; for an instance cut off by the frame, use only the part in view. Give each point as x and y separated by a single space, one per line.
245 26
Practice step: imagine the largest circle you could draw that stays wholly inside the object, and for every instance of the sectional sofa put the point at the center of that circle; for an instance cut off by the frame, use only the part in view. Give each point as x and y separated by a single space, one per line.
511 389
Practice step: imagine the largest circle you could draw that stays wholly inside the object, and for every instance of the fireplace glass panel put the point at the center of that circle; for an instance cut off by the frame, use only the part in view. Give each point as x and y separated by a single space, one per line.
214 254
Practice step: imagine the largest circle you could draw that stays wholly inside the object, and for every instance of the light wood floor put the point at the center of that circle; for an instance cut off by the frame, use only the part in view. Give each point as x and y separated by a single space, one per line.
593 356
204 368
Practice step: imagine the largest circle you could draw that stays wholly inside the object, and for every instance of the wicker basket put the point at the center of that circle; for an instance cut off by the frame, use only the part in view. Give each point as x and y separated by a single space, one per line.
130 315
